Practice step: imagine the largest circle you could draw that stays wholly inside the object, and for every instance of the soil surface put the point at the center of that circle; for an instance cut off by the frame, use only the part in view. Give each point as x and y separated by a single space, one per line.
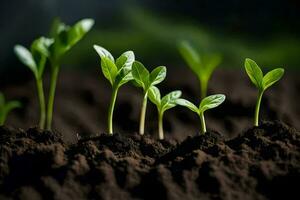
261 163
82 100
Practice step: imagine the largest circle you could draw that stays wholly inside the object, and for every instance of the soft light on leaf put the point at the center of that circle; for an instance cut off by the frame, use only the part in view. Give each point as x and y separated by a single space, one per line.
154 95
109 69
254 72
187 104
190 55
26 58
103 52
169 101
272 77
158 75
211 101
140 74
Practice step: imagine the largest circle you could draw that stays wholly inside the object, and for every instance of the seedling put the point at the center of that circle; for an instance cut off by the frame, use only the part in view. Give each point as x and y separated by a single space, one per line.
145 80
6 107
117 73
65 37
35 60
207 103
203 66
163 104
261 82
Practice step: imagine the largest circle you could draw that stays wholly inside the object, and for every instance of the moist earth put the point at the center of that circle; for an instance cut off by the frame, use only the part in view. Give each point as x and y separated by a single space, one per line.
261 163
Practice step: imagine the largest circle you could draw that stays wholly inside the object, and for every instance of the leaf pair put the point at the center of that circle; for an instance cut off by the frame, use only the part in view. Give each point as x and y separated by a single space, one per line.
117 72
207 103
165 103
65 37
6 107
258 79
145 79
35 59
202 66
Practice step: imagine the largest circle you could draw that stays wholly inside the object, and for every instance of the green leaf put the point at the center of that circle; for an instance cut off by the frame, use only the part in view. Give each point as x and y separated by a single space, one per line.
158 75
154 95
66 37
187 104
11 105
254 72
169 101
26 58
109 69
191 56
41 45
211 101
140 74
123 77
272 77
209 64
125 61
103 52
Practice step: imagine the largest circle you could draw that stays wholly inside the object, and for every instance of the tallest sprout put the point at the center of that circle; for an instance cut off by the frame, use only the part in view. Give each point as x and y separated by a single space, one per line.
35 60
261 82
65 37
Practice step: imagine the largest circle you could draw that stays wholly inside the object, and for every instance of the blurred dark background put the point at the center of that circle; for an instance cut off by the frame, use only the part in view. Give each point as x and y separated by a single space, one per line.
265 30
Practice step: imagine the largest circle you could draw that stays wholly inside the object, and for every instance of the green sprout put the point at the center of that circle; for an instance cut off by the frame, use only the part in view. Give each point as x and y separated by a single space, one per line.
145 80
35 60
117 73
262 82
203 66
6 107
207 103
65 37
163 104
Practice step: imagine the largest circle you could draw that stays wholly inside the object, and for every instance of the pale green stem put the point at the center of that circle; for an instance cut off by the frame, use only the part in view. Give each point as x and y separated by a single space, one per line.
53 81
160 126
41 96
203 86
111 110
143 114
257 107
203 126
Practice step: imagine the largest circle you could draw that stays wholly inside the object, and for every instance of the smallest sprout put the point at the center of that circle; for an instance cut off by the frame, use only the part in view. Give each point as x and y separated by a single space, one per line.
207 103
163 104
6 107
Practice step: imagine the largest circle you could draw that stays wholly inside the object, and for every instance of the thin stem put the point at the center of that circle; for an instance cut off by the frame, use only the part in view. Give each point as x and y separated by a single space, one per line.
53 80
203 126
257 107
203 86
160 126
143 114
111 110
41 96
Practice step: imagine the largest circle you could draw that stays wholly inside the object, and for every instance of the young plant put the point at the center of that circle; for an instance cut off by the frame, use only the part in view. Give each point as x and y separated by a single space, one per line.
163 104
6 107
261 82
145 80
35 60
203 66
117 73
65 37
207 103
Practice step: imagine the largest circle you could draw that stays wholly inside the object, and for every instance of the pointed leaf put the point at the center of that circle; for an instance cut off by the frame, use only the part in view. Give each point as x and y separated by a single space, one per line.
169 101
140 74
109 69
272 77
191 57
26 58
211 101
154 95
103 53
125 61
158 75
188 104
254 72
123 77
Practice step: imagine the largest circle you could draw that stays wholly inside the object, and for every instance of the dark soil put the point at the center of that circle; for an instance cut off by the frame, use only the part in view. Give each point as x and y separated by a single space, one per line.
261 163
